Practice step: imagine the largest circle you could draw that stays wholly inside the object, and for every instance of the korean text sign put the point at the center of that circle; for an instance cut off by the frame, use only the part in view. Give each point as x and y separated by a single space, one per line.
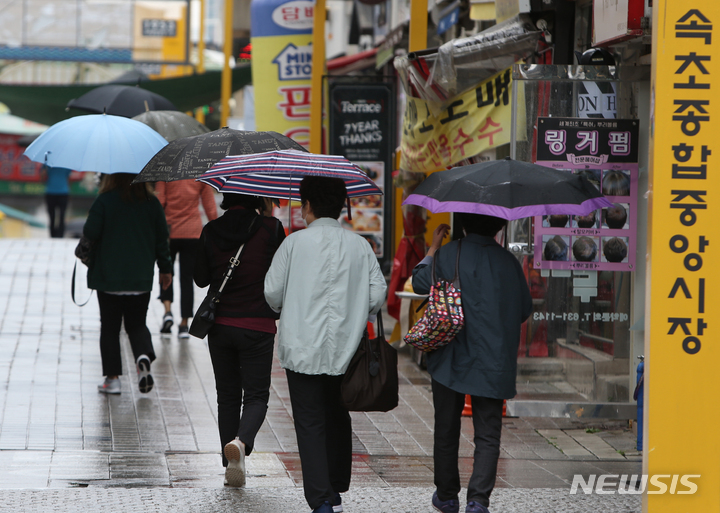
605 151
282 66
475 121
682 313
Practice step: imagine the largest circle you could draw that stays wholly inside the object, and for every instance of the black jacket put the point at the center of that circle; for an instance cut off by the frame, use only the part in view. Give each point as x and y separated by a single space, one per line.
243 295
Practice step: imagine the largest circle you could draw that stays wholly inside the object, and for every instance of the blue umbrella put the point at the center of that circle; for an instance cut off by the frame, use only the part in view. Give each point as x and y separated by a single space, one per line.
99 142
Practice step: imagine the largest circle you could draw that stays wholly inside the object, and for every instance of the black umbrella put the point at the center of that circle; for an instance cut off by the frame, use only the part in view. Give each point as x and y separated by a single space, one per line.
190 157
172 124
120 100
509 189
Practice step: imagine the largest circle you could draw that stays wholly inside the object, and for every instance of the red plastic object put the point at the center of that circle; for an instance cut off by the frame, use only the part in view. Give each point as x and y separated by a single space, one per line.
467 410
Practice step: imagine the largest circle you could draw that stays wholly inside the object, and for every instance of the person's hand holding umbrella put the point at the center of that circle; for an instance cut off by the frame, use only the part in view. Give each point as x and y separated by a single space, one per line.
438 235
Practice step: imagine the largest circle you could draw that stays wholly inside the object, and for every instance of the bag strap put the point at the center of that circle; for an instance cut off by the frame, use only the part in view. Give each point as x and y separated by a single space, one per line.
234 262
72 288
380 328
456 277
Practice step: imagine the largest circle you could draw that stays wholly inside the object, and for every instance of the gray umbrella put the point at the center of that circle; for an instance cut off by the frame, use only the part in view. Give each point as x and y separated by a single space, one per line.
172 124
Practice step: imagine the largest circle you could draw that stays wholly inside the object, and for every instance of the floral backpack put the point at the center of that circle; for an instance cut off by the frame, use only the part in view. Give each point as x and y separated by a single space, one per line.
443 317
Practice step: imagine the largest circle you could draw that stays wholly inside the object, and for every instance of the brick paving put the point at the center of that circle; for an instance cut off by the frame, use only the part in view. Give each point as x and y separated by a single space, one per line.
58 436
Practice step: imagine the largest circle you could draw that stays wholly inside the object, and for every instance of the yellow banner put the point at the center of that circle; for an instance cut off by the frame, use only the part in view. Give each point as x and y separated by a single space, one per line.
473 122
682 382
281 67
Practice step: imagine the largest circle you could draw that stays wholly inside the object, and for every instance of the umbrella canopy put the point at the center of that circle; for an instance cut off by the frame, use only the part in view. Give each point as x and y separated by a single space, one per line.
509 189
172 124
277 174
120 100
190 157
97 142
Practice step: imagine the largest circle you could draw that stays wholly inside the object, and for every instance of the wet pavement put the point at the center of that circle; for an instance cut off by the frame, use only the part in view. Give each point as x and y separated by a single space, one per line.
65 447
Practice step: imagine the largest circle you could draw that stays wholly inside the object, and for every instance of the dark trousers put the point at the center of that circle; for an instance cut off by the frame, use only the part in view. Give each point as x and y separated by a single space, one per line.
114 310
56 206
185 249
242 361
324 435
487 424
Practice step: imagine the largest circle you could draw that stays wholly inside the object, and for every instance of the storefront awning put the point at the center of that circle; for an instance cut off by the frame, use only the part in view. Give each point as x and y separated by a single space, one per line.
350 63
46 103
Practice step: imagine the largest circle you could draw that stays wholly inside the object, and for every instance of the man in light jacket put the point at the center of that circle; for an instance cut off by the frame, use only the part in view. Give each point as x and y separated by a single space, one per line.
325 281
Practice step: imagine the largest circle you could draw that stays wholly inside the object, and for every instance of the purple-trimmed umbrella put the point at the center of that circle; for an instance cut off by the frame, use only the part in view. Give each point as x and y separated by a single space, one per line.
509 189
277 174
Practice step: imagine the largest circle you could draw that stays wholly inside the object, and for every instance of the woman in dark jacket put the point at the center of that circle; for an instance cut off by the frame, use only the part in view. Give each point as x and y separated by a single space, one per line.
481 361
128 233
241 341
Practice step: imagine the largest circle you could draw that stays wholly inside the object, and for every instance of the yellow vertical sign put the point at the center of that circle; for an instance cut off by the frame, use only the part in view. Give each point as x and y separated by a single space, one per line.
281 67
682 449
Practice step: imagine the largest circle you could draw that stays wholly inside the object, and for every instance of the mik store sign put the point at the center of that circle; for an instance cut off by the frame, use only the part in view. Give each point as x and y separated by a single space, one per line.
294 62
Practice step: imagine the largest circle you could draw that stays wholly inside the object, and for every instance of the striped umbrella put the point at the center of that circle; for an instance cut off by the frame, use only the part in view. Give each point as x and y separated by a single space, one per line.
277 174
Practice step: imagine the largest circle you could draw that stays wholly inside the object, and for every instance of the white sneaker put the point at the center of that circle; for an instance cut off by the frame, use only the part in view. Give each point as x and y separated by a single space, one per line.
145 379
109 386
235 471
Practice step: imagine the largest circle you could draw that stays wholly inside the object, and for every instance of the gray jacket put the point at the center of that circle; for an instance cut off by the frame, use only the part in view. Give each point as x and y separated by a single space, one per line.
482 360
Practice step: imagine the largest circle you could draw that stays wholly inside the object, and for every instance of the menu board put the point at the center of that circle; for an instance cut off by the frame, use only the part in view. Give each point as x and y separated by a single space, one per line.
367 211
606 152
361 128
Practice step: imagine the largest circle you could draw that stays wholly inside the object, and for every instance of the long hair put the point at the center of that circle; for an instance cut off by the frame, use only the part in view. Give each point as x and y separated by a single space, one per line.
128 190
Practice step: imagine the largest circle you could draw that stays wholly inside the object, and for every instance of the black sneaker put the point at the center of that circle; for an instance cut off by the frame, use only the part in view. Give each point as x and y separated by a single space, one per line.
167 323
145 379
183 332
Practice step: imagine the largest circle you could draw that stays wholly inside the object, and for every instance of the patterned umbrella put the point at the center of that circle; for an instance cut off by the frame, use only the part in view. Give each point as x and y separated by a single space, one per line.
190 157
277 174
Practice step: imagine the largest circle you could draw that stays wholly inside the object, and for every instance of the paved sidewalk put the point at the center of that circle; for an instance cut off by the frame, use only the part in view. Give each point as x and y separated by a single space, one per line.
78 449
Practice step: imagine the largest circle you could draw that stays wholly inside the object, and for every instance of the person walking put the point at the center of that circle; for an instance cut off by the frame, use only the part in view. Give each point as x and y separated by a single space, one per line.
325 281
128 234
57 191
180 200
482 359
242 339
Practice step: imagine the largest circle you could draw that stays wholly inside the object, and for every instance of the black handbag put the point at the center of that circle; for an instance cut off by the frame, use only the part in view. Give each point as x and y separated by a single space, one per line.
83 252
371 380
204 318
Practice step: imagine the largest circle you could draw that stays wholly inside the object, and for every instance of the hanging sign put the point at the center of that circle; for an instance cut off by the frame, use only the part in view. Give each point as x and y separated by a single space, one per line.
606 152
475 121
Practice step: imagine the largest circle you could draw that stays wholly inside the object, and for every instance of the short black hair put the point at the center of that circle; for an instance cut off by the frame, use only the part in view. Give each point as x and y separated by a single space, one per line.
558 220
555 249
481 224
326 195
615 249
584 249
615 216
241 200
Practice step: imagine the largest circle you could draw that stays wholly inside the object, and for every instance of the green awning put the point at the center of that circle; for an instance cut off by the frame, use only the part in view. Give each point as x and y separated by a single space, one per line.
46 104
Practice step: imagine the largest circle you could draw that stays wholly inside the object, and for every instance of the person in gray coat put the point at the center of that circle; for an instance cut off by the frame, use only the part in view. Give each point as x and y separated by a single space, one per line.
482 359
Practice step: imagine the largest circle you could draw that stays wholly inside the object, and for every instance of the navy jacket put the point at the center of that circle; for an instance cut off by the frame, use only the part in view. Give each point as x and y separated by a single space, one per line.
482 360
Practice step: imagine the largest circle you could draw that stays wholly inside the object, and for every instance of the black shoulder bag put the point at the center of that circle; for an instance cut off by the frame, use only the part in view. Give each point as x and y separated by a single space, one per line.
204 318
371 380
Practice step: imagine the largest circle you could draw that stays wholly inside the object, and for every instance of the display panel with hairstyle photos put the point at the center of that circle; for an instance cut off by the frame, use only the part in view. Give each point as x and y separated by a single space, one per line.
605 151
